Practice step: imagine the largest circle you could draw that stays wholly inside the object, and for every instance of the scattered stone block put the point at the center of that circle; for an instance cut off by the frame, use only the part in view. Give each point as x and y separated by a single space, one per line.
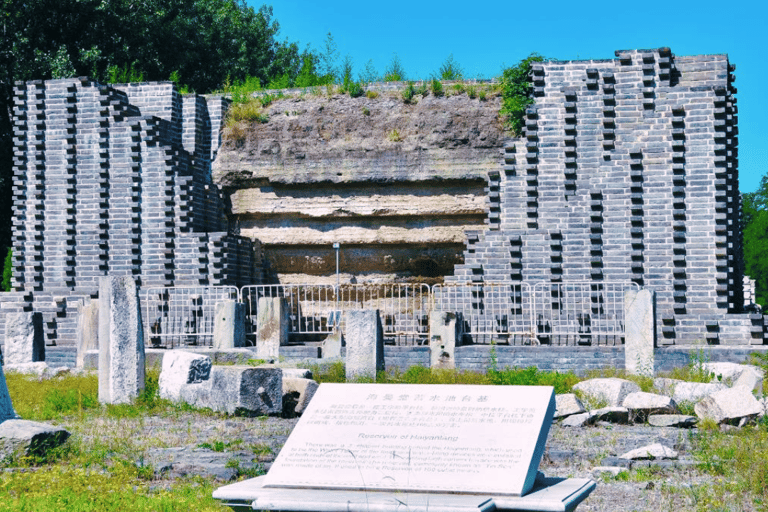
29 438
597 471
87 330
567 404
612 391
579 420
297 393
331 346
229 325
24 340
40 369
179 369
640 332
296 373
271 327
241 390
693 392
652 451
672 420
443 333
734 406
665 386
121 341
611 415
365 343
6 407
641 405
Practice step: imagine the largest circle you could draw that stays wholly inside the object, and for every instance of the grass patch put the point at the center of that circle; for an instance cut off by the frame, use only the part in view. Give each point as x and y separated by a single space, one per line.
52 399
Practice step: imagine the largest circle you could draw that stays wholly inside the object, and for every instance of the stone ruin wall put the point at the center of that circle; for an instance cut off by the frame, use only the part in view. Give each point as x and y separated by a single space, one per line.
627 170
116 180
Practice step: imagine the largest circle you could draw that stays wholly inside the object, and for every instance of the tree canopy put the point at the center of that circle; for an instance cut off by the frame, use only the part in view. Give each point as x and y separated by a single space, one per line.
754 223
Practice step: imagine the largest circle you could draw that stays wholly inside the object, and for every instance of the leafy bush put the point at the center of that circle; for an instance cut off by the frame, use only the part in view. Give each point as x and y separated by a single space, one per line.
8 270
408 93
394 71
450 70
394 136
422 90
124 75
517 92
437 87
371 95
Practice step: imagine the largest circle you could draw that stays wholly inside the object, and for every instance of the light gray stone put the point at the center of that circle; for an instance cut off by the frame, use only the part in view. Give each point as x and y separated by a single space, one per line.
331 346
29 438
179 369
229 325
298 392
24 341
672 420
641 404
40 369
652 451
443 333
732 406
611 470
579 420
640 331
567 404
296 373
87 330
729 373
6 407
665 386
121 341
271 327
242 390
611 391
693 392
365 343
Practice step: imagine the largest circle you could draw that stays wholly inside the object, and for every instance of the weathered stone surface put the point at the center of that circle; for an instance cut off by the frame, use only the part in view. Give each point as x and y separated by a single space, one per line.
365 343
229 325
693 392
296 373
567 404
25 438
40 368
239 390
597 471
611 391
640 335
643 404
331 346
297 393
665 386
121 341
732 406
443 332
87 330
272 327
652 451
6 407
179 369
672 420
611 415
578 420
24 341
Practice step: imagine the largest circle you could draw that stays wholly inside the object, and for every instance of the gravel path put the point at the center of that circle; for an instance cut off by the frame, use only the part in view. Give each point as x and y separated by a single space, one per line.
190 444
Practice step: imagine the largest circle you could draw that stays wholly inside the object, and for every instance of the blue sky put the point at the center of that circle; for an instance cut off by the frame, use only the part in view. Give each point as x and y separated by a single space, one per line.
486 36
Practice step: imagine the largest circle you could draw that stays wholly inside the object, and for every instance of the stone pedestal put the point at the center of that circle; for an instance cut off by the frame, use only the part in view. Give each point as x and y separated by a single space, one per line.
365 343
87 330
443 332
229 325
640 331
272 327
24 340
121 341
6 408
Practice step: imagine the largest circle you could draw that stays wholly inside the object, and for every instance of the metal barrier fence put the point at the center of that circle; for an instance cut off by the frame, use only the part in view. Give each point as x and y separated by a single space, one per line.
179 316
515 313
580 312
316 310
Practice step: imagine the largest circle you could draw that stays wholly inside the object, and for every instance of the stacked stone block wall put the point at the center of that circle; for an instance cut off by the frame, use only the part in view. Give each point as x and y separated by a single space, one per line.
115 180
626 171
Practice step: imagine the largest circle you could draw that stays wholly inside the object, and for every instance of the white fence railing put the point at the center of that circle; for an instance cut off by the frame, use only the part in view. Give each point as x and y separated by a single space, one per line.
520 312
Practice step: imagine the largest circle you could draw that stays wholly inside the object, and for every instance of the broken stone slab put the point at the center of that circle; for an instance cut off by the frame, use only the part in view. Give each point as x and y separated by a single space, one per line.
365 344
567 404
29 438
672 420
611 415
610 391
87 330
39 368
693 392
730 372
272 324
597 471
6 407
241 390
665 386
578 420
734 406
297 394
641 404
296 373
24 338
229 325
179 369
640 331
652 451
443 335
331 345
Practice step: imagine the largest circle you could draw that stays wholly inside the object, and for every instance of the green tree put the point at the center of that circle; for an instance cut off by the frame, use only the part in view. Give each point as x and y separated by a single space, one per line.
450 70
754 222
394 71
517 92
327 60
369 73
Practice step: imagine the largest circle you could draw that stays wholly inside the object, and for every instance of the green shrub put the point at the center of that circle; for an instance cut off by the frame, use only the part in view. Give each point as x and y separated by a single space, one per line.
8 270
437 87
422 90
517 92
408 93
371 95
471 91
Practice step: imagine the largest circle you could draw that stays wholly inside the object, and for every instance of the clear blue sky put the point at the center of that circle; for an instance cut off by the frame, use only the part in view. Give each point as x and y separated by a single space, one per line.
485 36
